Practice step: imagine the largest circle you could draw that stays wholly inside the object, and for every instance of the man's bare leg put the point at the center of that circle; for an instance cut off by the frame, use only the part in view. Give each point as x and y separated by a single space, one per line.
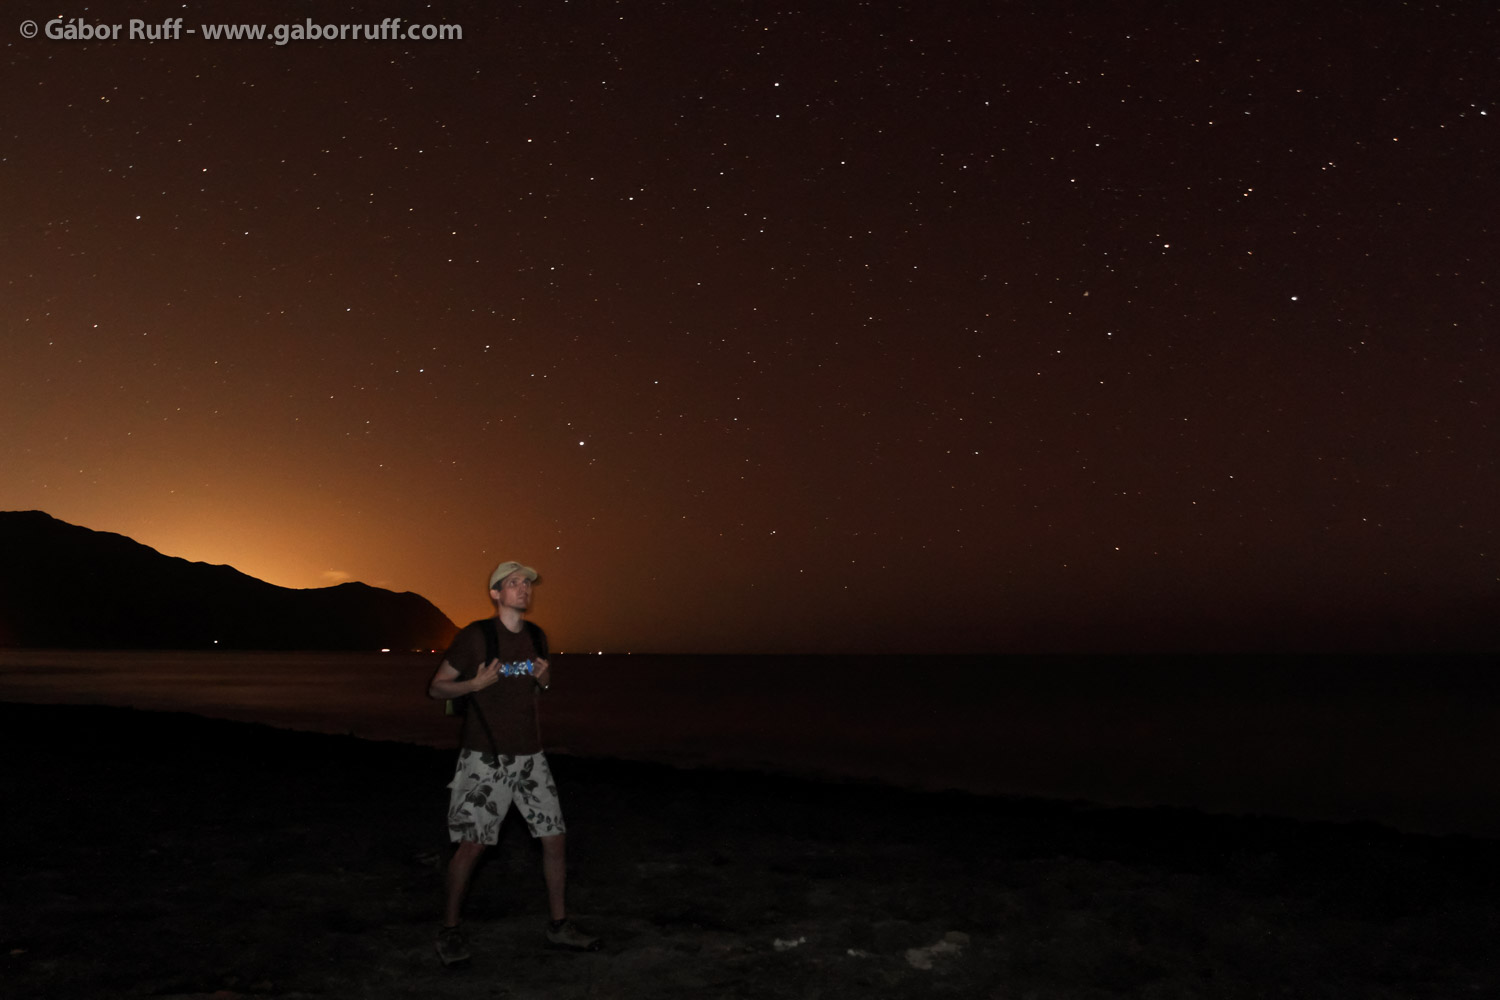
460 870
561 932
555 871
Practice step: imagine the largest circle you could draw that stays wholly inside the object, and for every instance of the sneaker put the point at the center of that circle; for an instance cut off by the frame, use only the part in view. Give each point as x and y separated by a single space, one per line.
565 934
451 946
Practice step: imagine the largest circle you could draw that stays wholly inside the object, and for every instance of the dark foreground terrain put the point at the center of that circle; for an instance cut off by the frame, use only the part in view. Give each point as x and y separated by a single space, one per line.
170 856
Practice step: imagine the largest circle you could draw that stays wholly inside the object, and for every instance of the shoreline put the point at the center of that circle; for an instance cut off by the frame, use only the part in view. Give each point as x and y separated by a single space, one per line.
270 862
1390 741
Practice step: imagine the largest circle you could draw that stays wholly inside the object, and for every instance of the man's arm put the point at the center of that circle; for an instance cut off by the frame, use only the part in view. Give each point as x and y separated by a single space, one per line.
448 683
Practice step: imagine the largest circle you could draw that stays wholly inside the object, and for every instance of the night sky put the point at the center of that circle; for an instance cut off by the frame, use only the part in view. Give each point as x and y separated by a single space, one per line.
775 328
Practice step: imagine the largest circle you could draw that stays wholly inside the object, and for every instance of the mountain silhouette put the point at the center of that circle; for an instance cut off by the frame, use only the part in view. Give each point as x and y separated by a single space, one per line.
66 586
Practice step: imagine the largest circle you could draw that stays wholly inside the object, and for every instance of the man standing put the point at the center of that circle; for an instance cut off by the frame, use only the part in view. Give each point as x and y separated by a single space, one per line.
495 668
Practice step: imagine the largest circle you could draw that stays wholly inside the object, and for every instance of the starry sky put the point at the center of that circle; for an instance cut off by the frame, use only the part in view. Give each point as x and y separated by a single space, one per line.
758 327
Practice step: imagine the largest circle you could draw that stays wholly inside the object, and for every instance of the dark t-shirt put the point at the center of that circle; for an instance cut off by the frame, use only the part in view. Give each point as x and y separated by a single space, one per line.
502 718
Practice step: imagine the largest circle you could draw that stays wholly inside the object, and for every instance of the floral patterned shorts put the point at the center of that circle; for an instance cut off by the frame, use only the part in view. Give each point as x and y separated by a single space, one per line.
485 784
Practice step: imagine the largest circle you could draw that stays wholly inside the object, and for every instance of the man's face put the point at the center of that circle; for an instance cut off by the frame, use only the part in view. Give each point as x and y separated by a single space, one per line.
513 592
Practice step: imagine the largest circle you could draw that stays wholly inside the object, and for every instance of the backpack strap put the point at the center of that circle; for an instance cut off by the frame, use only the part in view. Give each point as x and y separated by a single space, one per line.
538 639
491 629
488 628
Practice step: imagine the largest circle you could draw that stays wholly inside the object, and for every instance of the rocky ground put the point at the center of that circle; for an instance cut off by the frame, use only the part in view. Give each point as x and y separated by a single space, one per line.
171 856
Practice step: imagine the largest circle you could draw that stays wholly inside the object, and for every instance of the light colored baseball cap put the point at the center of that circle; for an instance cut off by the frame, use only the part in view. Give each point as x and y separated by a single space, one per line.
506 569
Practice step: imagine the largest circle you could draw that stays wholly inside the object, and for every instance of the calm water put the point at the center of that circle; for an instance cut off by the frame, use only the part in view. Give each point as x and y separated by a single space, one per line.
1402 741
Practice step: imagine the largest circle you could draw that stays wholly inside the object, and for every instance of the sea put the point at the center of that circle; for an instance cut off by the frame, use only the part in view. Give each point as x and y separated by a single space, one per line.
1409 742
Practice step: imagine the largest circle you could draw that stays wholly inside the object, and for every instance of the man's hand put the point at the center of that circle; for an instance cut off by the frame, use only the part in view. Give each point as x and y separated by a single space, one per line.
487 674
542 671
